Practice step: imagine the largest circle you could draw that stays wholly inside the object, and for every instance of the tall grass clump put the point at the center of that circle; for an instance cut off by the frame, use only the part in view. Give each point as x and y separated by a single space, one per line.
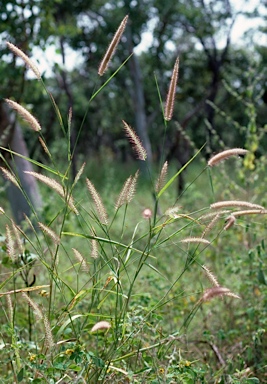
105 293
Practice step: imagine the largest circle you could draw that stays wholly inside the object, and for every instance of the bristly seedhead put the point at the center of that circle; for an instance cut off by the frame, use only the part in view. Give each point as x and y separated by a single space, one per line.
79 174
132 187
211 224
211 276
216 159
101 325
10 308
37 310
81 260
44 146
9 176
112 47
169 106
122 198
195 240
161 179
128 191
49 342
50 233
213 292
135 141
56 187
24 114
17 234
236 203
102 214
25 58
10 244
230 221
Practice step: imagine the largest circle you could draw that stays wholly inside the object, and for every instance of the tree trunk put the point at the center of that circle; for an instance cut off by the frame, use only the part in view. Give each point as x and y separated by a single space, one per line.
137 95
12 138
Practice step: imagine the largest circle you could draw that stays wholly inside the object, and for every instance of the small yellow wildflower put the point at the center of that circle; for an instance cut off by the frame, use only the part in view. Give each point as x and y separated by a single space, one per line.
43 293
69 351
32 357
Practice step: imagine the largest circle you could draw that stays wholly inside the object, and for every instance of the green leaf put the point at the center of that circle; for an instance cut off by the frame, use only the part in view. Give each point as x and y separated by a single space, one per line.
43 166
20 375
261 277
75 367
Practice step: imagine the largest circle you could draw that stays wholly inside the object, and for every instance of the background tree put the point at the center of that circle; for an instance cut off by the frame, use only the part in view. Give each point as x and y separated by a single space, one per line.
198 31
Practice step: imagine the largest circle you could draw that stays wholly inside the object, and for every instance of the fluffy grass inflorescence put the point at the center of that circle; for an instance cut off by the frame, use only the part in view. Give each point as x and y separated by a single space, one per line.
112 47
102 213
128 191
18 52
236 203
211 293
58 188
216 159
50 233
135 141
162 176
26 115
169 105
10 176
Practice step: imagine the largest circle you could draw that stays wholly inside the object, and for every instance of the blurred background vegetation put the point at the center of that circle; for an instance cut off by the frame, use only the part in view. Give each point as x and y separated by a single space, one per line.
214 65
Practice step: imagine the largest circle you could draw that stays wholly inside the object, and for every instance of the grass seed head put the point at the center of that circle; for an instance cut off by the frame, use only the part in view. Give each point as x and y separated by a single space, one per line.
169 106
81 260
44 146
102 214
50 233
10 244
216 159
10 176
211 276
230 221
94 246
79 174
112 47
124 193
18 52
135 141
162 176
101 325
37 310
49 342
10 308
218 291
56 187
26 115
235 203
249 212
195 240
211 225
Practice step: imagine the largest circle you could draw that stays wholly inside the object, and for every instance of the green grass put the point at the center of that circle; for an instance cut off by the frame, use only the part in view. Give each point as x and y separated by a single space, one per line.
159 337
141 279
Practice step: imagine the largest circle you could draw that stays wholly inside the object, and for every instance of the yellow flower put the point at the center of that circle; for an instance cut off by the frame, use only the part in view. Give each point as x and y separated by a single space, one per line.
32 356
69 352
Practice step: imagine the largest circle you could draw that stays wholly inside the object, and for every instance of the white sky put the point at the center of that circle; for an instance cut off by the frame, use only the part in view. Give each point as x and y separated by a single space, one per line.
241 26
